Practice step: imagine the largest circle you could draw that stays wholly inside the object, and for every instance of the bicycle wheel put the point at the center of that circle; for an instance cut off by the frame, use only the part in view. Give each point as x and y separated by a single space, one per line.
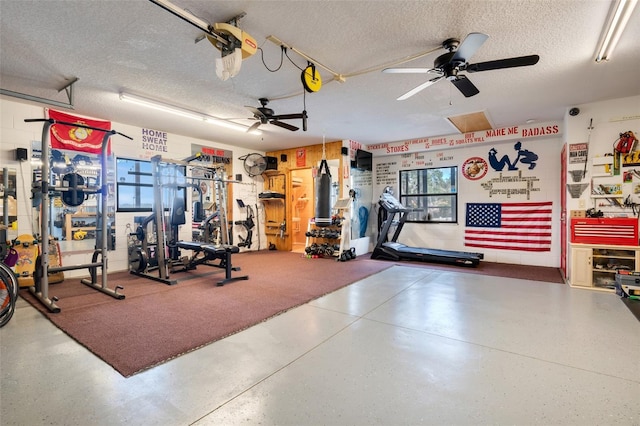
8 294
10 277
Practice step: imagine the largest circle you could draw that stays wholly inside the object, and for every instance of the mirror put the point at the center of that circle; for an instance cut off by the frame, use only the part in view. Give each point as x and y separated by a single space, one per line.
74 216
8 206
361 185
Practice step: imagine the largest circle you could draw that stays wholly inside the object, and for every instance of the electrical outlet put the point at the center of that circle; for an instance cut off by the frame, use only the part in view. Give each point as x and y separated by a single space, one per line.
582 203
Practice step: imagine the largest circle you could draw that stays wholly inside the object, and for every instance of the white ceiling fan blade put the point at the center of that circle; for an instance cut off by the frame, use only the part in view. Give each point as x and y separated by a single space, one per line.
409 70
469 46
420 88
256 112
254 126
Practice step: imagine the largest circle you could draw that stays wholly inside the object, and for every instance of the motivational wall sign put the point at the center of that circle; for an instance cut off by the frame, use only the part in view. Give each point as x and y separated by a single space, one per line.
472 138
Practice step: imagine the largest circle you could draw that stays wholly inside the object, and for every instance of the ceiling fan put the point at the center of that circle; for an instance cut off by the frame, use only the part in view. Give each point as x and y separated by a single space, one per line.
450 64
266 115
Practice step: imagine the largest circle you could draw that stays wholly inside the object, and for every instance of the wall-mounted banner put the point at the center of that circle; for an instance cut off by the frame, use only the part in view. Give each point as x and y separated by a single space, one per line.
76 138
153 142
503 134
301 157
509 226
211 156
578 153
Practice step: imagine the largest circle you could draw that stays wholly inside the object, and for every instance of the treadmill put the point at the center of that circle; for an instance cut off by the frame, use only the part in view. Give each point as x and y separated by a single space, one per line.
393 250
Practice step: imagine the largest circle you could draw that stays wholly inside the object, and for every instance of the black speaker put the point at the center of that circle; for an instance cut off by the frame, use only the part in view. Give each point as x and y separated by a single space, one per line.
272 163
283 158
21 154
344 150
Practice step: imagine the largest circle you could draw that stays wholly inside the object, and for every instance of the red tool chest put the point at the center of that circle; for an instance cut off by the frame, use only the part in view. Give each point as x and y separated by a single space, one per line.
616 231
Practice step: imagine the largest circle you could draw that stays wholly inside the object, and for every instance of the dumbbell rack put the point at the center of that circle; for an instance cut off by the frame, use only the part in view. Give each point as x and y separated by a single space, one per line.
331 234
323 235
343 206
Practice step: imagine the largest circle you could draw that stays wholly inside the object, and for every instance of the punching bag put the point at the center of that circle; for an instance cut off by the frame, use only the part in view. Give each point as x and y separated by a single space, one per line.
323 195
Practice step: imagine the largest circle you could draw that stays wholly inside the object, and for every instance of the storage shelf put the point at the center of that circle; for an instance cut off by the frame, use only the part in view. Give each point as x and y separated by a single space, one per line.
275 209
585 259
607 271
606 256
70 218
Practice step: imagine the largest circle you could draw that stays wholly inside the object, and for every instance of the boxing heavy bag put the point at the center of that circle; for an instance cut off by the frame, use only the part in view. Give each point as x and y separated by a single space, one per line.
323 195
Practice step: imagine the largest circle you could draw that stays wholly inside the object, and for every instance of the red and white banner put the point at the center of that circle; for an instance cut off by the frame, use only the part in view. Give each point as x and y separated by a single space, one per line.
503 134
76 138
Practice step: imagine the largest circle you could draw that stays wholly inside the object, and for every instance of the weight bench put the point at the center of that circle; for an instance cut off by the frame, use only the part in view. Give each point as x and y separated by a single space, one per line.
204 254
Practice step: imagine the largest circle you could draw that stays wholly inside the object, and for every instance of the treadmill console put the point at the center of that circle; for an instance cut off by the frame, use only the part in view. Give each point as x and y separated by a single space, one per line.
391 203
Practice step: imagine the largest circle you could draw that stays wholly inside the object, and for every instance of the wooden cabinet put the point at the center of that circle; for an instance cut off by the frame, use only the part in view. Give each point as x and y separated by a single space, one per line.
595 266
581 266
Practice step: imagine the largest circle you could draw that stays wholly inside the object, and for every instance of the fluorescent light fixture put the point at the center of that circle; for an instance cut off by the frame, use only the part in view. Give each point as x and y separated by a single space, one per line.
138 100
181 13
618 18
182 112
231 125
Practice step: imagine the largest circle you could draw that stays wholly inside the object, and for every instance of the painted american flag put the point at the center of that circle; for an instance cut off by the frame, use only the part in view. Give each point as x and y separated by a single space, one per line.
509 226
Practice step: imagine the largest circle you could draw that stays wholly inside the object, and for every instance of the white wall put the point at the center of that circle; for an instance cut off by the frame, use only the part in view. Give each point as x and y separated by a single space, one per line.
15 133
543 179
608 119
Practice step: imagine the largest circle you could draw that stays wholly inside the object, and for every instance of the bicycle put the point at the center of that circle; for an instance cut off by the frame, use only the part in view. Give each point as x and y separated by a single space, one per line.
8 293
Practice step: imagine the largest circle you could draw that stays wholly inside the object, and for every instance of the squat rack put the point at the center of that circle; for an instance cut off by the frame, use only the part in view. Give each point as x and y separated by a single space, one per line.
41 288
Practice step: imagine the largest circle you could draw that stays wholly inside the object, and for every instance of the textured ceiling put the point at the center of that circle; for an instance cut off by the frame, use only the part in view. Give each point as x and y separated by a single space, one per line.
138 47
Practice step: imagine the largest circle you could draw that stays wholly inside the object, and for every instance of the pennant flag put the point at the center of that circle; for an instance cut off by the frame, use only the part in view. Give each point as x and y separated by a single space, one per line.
509 226
76 138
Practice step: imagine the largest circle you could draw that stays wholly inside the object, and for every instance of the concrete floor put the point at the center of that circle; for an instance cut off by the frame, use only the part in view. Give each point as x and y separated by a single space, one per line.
406 346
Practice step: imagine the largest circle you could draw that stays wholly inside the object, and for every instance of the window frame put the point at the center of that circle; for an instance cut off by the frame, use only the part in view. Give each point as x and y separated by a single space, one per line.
139 187
405 194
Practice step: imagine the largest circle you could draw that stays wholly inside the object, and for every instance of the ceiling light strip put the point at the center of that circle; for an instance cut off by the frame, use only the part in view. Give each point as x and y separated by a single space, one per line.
618 18
190 18
182 112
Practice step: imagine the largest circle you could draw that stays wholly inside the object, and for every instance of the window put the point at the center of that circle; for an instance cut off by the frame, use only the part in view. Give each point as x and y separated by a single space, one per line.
135 185
433 191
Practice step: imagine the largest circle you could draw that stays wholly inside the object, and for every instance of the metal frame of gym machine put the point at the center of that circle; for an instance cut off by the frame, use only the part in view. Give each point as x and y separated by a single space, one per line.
157 220
166 265
41 288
